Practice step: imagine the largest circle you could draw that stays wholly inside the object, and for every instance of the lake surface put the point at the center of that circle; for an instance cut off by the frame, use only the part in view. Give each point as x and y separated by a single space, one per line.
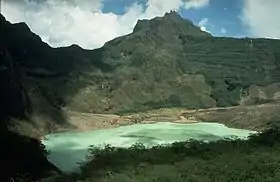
66 149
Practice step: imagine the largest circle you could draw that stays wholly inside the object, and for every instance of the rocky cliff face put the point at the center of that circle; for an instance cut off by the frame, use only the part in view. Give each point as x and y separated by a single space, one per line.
37 79
169 62
165 62
22 157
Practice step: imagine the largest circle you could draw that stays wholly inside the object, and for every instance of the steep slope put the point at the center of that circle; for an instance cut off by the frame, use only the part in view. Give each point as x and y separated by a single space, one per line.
164 62
22 157
167 61
38 79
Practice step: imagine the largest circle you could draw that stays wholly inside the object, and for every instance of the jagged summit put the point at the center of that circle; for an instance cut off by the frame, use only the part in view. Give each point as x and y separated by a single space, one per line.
172 15
171 23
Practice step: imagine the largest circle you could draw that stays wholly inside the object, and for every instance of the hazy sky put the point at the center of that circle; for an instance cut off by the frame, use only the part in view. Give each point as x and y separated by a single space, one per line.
90 23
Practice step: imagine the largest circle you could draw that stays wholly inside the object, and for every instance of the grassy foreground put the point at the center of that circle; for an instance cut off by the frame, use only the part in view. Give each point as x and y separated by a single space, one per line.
257 159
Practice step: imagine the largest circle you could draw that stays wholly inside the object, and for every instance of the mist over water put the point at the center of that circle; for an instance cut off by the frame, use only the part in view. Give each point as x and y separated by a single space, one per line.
66 149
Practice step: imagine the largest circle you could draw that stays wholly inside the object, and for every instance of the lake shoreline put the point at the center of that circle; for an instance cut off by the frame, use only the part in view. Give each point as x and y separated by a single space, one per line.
78 129
74 146
238 117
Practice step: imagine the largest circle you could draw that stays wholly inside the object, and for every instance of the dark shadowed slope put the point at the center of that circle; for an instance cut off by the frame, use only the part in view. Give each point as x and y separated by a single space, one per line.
21 157
36 78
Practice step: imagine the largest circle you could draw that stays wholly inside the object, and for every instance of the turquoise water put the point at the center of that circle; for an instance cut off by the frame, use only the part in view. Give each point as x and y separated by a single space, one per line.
66 149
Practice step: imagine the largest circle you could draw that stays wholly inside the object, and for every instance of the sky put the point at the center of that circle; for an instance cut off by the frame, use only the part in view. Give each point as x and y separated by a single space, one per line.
91 23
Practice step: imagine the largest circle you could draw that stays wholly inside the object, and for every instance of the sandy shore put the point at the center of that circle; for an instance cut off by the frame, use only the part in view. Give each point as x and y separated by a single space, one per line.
88 121
242 117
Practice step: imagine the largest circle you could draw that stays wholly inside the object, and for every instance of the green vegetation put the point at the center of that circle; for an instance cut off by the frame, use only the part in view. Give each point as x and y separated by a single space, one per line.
187 70
165 62
256 159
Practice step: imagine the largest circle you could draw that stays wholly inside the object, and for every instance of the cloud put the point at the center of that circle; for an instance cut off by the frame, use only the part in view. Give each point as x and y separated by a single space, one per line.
223 30
203 23
82 22
262 17
196 4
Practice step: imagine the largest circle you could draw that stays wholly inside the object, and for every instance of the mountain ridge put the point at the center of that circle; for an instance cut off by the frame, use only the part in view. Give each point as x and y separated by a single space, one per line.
157 65
170 19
